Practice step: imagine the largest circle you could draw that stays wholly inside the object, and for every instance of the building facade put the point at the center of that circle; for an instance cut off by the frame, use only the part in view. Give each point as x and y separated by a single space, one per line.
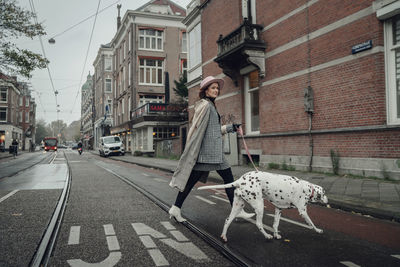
103 93
17 114
87 112
315 83
149 53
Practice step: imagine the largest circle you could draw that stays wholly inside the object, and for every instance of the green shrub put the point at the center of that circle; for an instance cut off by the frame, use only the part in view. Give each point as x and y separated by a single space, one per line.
272 165
137 153
335 158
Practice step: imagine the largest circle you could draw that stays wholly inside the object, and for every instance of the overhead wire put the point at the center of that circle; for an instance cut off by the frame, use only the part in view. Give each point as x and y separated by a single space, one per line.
87 53
44 54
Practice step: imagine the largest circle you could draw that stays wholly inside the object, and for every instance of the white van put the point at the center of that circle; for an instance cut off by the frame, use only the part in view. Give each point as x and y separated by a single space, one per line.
111 145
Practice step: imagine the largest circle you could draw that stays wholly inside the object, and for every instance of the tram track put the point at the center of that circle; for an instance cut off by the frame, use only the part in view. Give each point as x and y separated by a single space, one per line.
46 245
222 248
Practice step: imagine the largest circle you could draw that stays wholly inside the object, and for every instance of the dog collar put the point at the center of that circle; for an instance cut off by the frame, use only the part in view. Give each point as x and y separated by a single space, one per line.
312 192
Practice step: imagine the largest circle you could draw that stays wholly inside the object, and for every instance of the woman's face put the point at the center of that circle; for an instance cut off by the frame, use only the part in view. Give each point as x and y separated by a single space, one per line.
212 90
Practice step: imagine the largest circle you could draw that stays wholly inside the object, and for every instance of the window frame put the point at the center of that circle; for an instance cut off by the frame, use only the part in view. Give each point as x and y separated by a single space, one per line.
390 71
107 62
6 96
156 67
248 107
5 112
105 85
156 37
194 47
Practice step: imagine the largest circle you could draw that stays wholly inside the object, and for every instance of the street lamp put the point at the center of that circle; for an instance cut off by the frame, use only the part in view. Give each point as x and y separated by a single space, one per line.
52 41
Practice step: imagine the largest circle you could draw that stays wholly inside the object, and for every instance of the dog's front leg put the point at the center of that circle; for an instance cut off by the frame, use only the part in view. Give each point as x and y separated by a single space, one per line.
304 214
258 206
277 217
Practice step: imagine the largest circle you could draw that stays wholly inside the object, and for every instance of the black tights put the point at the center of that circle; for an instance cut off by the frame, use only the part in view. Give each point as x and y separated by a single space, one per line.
194 178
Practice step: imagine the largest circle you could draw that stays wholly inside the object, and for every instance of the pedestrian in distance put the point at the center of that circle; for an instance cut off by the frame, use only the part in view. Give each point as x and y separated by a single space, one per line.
204 149
14 145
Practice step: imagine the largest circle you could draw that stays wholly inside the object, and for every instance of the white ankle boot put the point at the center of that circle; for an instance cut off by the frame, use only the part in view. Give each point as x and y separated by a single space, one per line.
176 213
245 215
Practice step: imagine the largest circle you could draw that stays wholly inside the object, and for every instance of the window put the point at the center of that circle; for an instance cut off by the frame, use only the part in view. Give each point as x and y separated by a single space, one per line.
165 132
123 107
20 116
107 64
121 55
129 105
3 114
122 80
195 46
184 42
252 103
26 102
108 86
129 74
26 117
183 67
392 53
130 40
151 71
3 95
144 99
150 39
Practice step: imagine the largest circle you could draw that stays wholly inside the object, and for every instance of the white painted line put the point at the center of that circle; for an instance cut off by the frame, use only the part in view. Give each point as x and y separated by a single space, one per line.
74 234
264 226
220 198
168 225
109 229
186 248
205 200
160 180
178 236
112 243
158 257
291 221
349 264
396 256
8 195
145 174
147 241
143 229
112 259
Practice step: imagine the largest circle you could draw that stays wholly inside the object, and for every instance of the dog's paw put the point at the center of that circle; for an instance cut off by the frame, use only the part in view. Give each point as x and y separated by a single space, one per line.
267 236
319 231
277 236
224 238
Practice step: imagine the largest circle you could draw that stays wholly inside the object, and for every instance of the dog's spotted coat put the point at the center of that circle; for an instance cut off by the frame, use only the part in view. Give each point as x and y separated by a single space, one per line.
282 191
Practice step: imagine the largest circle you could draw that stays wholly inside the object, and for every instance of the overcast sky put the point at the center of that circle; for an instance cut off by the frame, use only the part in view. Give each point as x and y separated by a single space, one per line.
67 55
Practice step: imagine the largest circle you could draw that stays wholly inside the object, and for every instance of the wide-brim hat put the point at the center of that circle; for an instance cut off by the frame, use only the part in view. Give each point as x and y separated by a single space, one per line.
209 80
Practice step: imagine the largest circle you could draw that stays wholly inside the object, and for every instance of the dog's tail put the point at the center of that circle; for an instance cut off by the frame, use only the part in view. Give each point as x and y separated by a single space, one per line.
218 186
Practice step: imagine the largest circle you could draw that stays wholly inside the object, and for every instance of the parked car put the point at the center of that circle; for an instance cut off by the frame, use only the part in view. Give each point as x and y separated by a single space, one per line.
111 145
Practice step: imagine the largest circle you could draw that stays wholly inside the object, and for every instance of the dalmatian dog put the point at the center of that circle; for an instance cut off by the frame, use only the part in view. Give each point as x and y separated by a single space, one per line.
282 191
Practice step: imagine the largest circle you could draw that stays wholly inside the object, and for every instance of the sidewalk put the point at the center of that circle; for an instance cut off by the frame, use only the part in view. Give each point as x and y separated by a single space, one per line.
377 198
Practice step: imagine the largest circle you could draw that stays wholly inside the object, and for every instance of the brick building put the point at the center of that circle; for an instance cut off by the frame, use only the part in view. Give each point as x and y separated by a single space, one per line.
307 78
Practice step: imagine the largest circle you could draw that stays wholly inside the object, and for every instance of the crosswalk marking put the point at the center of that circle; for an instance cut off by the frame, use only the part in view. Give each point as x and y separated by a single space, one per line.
74 234
349 264
205 200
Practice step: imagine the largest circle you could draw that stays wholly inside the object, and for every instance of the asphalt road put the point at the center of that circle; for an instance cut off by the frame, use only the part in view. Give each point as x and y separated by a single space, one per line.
109 222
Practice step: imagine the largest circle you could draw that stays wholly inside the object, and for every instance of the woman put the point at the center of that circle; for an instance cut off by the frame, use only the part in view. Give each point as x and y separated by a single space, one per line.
203 152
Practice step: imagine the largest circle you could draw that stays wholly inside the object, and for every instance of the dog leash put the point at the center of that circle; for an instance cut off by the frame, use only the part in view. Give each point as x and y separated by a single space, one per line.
247 149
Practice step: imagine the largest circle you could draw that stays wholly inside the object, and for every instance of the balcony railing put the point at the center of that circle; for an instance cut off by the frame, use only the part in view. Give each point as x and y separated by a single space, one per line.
246 33
159 109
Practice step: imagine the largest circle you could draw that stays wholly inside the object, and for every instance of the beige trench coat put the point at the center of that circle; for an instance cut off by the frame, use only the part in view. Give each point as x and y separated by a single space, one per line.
193 144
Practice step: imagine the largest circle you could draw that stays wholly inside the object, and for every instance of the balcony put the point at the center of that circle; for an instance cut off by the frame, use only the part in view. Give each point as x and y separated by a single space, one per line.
242 51
159 112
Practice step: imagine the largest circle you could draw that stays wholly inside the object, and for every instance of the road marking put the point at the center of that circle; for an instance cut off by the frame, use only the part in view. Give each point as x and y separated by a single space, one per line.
147 241
109 229
160 180
188 249
349 264
179 236
111 260
167 225
220 198
112 243
145 174
8 195
142 229
205 200
158 257
396 256
74 234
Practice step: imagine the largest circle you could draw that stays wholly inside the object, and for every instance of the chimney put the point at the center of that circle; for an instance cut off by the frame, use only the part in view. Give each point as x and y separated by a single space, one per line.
119 17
